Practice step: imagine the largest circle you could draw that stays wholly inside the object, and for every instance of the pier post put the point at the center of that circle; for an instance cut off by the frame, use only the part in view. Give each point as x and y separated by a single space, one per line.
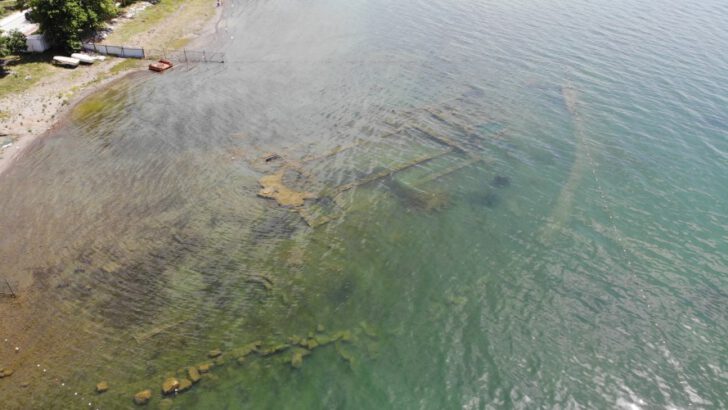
12 292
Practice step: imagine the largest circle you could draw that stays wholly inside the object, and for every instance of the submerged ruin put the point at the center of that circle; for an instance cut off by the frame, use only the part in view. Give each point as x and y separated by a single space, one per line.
415 149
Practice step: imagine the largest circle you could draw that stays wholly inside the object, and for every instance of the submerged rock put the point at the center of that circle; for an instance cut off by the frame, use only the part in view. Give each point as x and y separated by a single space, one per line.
345 353
143 397
311 344
6 372
320 328
343 335
214 353
184 385
500 181
205 367
323 340
193 374
272 187
427 201
101 387
297 360
170 385
247 349
368 329
488 198
456 300
297 357
166 404
274 349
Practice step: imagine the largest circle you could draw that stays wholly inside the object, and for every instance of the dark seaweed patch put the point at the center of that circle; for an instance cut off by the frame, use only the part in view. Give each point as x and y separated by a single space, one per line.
487 199
500 181
342 291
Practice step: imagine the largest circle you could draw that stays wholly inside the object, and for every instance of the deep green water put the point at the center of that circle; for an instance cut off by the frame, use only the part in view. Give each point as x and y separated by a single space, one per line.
577 259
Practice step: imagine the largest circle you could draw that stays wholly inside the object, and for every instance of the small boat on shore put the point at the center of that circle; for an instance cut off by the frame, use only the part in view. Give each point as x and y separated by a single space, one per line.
84 58
66 61
161 65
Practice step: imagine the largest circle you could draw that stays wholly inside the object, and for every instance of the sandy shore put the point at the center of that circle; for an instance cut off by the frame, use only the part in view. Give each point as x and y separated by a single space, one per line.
33 112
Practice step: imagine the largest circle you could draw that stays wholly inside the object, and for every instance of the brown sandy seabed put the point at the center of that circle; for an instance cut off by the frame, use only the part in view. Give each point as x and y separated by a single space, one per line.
29 321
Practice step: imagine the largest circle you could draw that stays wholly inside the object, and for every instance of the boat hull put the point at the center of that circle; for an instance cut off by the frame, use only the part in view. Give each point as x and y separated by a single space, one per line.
161 65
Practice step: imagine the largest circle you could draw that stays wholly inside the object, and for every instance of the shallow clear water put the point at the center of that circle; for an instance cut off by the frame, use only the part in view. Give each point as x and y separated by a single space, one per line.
555 234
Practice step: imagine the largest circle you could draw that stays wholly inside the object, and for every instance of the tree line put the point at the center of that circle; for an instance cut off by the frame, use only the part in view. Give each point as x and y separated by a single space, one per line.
66 23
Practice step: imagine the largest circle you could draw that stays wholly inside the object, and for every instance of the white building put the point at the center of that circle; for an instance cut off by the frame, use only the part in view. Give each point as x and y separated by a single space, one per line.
36 42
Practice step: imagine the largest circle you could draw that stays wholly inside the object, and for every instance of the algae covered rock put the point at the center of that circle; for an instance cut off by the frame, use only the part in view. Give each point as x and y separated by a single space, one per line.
241 352
214 353
311 344
193 374
323 340
205 367
320 328
101 387
274 349
170 385
297 357
297 360
143 397
247 349
184 385
368 329
345 353
343 335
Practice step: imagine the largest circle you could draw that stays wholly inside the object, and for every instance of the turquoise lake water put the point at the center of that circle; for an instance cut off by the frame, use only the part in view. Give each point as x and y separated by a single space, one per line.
525 206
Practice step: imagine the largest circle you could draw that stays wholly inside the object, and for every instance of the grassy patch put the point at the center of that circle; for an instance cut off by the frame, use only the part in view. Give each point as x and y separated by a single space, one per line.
187 12
97 104
126 64
26 70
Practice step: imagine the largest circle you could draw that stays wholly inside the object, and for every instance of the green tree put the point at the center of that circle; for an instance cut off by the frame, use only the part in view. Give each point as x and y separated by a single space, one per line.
16 42
4 50
66 22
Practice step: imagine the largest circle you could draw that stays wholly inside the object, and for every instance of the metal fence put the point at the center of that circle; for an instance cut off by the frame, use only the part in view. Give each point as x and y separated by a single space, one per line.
178 56
118 51
185 56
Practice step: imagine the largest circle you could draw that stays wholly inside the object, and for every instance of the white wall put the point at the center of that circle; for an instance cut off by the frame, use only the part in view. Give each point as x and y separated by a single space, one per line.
37 43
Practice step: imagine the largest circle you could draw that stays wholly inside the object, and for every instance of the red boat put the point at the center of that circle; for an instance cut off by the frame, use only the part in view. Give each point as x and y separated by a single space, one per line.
161 65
